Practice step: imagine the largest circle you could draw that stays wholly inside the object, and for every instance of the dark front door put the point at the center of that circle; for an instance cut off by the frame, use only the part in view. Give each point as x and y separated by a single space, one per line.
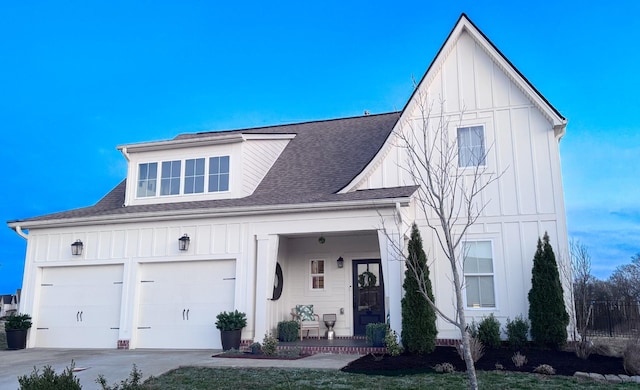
368 294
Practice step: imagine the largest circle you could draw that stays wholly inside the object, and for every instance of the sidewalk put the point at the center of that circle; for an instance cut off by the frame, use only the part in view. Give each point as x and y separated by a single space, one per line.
116 365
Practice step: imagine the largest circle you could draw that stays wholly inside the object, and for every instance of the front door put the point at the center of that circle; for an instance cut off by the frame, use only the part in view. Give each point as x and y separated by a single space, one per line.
368 294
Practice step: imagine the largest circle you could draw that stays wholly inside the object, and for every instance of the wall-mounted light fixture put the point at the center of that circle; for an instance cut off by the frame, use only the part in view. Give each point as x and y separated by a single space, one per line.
76 248
183 243
340 262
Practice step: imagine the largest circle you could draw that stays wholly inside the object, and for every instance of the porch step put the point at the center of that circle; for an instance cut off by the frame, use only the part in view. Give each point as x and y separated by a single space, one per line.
336 349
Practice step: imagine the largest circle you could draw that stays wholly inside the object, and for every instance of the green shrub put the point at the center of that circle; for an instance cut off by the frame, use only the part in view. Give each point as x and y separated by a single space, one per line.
517 332
489 332
269 345
131 383
288 330
391 342
375 329
547 312
233 320
419 329
48 379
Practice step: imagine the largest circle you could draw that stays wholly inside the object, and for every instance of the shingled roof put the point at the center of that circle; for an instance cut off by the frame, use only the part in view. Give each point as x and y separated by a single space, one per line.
322 158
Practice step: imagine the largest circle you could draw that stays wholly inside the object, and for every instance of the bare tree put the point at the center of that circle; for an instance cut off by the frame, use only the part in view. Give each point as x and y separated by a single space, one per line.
582 294
625 280
448 197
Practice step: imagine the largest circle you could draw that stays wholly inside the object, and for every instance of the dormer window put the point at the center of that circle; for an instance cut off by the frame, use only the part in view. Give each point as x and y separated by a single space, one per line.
147 177
170 183
176 181
219 174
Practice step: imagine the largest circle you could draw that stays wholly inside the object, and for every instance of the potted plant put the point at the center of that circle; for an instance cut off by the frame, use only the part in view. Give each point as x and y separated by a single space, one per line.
376 331
16 327
288 330
230 325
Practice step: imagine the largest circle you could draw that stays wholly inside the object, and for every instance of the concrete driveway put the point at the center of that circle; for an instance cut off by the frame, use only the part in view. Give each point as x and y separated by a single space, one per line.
116 365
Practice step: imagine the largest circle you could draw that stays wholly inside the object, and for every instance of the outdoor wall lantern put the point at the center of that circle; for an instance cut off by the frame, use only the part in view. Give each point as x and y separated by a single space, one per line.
183 243
340 262
76 248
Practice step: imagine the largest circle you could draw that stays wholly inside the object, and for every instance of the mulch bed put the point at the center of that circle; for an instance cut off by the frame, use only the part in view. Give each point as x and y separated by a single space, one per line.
249 355
565 363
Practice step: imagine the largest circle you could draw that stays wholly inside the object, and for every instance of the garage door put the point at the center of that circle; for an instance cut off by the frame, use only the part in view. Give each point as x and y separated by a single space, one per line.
179 302
79 307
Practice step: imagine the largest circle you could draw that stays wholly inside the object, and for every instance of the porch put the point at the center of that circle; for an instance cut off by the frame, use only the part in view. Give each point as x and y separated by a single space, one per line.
356 345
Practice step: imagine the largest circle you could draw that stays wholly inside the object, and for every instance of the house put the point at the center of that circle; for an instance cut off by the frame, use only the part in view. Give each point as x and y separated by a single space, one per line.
9 304
263 219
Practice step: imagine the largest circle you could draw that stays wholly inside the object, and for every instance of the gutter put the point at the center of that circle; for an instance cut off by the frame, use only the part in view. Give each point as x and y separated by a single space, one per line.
18 230
201 213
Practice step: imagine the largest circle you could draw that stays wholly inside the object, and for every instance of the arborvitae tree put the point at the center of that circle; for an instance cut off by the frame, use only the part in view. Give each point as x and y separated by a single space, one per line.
418 317
547 312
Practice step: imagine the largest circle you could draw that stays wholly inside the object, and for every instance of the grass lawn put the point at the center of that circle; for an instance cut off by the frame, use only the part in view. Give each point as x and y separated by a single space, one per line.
195 378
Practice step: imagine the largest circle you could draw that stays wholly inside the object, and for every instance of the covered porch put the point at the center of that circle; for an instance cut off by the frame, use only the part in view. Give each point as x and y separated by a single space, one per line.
355 276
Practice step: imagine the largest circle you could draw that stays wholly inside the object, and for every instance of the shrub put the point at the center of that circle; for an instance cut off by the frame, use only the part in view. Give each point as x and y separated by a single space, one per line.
374 329
131 383
583 349
476 347
233 320
288 330
544 369
519 359
631 358
48 379
269 345
391 342
256 348
489 332
444 368
419 329
547 312
517 332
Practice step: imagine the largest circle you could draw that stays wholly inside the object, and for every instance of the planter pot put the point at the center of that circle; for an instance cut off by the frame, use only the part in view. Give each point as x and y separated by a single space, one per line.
17 338
230 339
377 339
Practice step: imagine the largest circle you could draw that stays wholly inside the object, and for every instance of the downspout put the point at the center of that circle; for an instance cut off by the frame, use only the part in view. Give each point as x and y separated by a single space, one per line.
21 233
125 154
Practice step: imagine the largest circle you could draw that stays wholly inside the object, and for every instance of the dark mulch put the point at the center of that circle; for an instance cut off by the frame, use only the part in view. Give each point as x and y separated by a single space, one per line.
249 355
565 363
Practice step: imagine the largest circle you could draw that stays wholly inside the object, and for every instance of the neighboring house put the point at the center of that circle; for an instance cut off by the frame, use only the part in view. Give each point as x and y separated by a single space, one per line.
298 197
9 304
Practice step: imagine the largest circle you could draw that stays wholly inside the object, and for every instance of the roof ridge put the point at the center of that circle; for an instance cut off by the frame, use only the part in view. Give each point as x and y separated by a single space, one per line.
253 129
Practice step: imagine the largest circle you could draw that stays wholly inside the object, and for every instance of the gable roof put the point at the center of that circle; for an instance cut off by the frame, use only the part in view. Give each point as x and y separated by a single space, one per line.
464 24
321 159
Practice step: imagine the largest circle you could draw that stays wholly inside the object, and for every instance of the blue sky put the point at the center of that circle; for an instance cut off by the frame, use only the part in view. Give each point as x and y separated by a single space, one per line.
78 78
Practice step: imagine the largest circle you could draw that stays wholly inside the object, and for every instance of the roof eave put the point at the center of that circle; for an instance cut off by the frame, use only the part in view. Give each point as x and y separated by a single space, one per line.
212 213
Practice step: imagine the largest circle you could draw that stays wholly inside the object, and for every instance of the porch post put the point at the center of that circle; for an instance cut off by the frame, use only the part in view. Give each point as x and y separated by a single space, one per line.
266 258
393 266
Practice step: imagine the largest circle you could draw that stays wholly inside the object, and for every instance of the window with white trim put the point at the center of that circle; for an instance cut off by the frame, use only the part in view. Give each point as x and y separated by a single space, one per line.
219 174
471 151
478 274
147 178
316 274
170 182
194 176
176 181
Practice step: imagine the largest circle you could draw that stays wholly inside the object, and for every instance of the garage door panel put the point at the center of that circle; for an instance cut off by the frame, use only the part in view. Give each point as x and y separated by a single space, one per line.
180 301
79 307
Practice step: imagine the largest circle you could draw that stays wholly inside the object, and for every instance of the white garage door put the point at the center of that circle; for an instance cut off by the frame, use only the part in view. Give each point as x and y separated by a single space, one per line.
179 302
79 307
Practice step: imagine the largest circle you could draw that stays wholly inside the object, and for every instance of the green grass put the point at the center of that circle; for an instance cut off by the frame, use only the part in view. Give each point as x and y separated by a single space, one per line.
195 378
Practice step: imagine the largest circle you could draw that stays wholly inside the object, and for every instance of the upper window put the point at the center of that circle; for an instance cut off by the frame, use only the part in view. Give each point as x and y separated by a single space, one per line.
317 274
174 180
471 152
478 274
219 174
170 183
194 176
147 177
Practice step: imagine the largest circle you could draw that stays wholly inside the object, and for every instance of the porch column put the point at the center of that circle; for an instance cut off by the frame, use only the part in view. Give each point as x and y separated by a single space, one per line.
393 266
266 258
